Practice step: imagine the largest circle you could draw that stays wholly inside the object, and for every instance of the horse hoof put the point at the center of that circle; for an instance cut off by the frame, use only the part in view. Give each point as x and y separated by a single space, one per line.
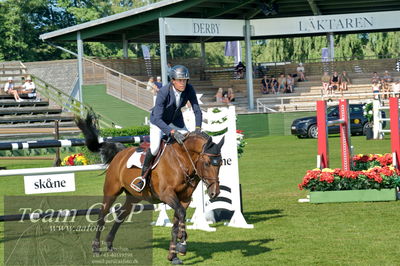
96 247
110 247
176 261
181 248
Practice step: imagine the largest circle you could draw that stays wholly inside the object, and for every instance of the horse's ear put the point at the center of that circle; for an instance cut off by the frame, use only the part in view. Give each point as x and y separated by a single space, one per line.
221 142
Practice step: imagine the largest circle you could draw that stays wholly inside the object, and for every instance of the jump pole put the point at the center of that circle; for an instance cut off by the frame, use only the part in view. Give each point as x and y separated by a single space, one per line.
322 124
323 160
394 129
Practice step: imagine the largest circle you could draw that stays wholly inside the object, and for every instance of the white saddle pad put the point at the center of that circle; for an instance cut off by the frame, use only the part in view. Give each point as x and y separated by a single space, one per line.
134 160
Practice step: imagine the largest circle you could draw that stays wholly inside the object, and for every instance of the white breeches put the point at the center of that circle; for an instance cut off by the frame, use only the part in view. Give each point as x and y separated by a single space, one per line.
156 134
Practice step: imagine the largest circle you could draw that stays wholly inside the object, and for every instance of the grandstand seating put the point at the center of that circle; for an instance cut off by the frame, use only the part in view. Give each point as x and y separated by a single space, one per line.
34 116
208 81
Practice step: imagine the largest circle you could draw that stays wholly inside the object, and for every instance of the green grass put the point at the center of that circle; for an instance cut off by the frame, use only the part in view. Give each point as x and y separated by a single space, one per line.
122 113
285 231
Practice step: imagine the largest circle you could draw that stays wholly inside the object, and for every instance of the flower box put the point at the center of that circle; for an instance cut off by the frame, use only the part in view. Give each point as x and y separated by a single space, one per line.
353 195
374 179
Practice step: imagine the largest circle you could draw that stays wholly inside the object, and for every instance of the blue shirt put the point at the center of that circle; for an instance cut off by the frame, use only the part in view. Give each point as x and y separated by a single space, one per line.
167 111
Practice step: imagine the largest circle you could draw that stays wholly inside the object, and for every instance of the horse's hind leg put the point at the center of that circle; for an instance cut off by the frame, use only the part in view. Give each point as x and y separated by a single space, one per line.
122 213
107 202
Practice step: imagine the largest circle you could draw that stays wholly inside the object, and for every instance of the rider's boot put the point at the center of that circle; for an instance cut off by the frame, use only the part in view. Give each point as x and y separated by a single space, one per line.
139 182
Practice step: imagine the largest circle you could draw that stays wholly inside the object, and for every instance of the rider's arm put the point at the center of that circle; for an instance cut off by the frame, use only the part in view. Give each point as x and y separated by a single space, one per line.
158 111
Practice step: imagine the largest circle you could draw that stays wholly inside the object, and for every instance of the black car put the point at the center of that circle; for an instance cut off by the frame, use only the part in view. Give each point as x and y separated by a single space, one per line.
307 126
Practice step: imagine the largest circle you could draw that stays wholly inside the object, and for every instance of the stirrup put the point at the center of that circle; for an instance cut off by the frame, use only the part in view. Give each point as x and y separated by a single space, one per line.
135 187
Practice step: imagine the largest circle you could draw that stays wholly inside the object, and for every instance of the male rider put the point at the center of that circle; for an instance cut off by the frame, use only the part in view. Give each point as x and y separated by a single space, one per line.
166 117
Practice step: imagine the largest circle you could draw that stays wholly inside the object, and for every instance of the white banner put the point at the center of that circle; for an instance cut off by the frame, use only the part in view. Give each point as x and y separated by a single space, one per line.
146 51
38 184
284 26
325 54
204 27
332 23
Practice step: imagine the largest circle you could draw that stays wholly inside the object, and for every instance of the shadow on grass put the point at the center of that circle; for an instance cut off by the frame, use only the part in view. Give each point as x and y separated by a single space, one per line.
204 251
262 216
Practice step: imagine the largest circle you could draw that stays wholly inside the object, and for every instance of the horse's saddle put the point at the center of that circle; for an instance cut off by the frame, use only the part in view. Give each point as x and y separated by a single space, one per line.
137 158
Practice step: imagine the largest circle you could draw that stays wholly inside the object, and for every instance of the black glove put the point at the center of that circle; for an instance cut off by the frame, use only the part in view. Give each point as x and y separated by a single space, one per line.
197 130
179 137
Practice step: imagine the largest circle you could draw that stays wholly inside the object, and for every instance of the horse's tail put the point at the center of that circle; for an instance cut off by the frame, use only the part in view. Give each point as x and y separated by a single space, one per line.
107 150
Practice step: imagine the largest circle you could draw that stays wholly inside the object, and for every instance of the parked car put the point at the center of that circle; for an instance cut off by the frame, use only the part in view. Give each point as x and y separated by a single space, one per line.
307 126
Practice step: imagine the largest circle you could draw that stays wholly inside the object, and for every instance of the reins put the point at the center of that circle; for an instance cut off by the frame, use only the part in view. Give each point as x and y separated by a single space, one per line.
188 178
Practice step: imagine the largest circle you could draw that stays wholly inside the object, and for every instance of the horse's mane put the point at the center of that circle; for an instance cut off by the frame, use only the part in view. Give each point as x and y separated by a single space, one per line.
210 147
200 134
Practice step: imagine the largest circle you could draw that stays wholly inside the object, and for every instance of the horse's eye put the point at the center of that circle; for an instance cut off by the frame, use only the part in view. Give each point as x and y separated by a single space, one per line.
207 164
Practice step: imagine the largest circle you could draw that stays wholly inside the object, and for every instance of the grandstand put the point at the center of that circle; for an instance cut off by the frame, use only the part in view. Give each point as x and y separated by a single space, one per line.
207 80
35 116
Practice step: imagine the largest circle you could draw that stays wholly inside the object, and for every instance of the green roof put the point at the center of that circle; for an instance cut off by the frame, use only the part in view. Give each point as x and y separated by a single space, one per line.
141 24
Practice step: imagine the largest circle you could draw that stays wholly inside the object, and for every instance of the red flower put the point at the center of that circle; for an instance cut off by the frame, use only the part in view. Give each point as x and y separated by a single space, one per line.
386 171
350 174
71 160
373 175
385 159
327 177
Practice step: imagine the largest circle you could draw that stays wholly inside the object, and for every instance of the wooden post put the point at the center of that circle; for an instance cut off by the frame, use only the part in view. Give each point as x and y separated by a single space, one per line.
57 160
394 129
322 134
345 134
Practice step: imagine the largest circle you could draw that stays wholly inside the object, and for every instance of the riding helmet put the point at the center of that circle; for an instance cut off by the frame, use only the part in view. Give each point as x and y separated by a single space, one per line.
179 72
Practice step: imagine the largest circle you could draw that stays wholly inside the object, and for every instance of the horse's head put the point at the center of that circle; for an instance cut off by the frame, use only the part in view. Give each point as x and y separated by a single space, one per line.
208 165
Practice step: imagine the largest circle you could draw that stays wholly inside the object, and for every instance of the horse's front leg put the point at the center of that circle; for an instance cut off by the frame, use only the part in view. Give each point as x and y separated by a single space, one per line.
172 244
181 246
178 229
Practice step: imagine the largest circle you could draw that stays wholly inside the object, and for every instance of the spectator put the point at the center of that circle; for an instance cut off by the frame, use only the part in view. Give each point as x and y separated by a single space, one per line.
158 82
281 83
231 95
225 98
344 81
265 85
326 80
396 88
240 69
300 72
289 83
375 78
219 95
386 82
376 88
151 86
335 81
29 86
10 89
274 85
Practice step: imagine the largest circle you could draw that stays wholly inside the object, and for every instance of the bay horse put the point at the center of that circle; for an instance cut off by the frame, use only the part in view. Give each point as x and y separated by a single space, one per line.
173 180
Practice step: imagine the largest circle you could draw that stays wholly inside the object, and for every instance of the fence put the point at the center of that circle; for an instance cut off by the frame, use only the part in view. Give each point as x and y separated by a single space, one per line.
119 85
293 103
